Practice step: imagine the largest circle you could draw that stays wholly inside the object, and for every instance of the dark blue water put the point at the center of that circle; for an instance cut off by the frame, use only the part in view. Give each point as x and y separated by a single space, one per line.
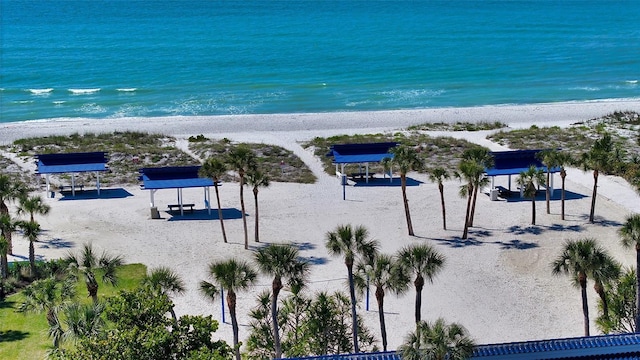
121 58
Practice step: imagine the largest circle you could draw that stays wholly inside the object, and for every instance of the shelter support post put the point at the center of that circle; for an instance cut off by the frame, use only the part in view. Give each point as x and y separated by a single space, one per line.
98 182
48 183
366 166
509 183
207 196
73 184
493 182
551 185
151 193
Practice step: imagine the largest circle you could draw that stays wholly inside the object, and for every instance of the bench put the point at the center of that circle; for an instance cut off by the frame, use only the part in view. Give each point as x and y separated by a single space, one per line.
65 187
361 175
184 207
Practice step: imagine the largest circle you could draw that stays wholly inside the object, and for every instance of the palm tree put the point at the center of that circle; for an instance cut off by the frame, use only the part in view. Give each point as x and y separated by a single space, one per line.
468 171
438 341
423 261
166 282
232 275
581 259
4 265
214 168
439 174
630 233
282 262
87 262
483 158
549 158
83 320
351 243
31 230
529 180
384 273
562 159
257 179
33 205
607 272
10 191
242 159
7 226
406 159
598 159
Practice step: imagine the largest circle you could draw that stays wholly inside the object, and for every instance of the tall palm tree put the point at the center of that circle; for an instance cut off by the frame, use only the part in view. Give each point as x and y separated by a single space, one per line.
4 266
562 159
483 158
31 230
598 159
242 159
438 341
33 205
283 263
257 179
425 263
10 191
167 282
529 181
439 174
86 262
468 171
581 259
384 273
549 158
231 275
608 271
215 168
7 226
630 233
351 243
406 159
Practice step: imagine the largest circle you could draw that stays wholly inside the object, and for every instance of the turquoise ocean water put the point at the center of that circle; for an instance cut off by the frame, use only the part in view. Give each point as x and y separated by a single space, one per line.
121 58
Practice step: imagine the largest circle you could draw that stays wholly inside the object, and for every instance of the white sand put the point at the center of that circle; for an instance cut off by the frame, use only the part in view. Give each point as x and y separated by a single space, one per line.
498 284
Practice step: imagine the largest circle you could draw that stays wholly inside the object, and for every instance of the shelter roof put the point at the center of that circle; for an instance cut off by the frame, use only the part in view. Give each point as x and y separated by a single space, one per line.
361 153
172 178
515 161
611 347
71 162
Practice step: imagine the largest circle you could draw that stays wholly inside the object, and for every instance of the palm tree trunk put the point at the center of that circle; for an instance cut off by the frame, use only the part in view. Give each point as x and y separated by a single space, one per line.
224 233
533 209
403 180
32 259
637 287
255 196
275 287
354 315
466 218
563 175
231 300
444 213
548 192
383 328
4 210
585 306
4 266
244 215
603 297
419 284
593 196
473 205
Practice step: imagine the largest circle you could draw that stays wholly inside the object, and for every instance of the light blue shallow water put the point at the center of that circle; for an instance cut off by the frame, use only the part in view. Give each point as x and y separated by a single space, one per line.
118 58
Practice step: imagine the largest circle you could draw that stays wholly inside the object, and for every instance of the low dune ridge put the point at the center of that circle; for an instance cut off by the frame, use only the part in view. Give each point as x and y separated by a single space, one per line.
497 283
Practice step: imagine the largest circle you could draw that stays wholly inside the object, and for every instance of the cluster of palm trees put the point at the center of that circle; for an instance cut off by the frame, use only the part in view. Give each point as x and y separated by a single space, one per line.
243 160
31 205
585 259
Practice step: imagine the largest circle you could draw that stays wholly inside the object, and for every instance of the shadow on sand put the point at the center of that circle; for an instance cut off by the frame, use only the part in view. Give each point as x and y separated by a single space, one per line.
118 193
385 182
203 214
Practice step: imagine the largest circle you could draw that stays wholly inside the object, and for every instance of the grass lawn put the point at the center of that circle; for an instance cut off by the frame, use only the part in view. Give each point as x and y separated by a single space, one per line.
24 336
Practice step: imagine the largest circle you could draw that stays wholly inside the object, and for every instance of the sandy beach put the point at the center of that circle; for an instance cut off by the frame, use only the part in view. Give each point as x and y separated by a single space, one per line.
498 283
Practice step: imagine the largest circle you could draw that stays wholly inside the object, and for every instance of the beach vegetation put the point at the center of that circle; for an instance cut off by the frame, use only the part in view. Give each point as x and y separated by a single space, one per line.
242 160
215 169
405 159
283 262
438 341
86 262
257 179
31 230
10 191
353 244
621 298
582 259
598 159
384 273
630 233
530 180
166 282
422 262
459 126
232 276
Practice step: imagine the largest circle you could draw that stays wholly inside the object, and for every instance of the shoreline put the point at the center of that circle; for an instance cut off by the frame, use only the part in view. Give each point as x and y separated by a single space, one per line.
549 114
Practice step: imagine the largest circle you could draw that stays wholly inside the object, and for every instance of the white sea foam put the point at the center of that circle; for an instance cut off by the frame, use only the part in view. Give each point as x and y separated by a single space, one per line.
585 88
631 82
127 89
59 102
84 91
41 91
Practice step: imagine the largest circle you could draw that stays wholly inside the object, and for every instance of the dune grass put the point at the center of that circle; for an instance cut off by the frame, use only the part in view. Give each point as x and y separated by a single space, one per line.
24 335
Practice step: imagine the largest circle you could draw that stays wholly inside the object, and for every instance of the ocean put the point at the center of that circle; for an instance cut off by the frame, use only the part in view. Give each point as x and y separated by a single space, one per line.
148 58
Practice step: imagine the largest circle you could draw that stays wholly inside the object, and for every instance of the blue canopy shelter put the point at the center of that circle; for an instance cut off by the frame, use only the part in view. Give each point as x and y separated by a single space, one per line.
177 177
514 162
72 163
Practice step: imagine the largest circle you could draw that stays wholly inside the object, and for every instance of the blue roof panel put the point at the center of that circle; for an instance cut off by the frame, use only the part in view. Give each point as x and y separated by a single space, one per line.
72 162
173 178
361 153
